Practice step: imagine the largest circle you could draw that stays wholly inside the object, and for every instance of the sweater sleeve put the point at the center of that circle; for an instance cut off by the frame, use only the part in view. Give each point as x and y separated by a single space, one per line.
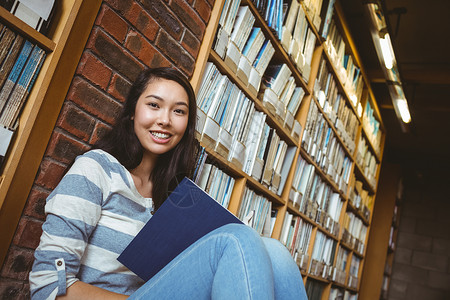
72 212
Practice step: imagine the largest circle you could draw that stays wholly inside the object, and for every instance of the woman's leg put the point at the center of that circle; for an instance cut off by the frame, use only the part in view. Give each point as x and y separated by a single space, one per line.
230 262
288 281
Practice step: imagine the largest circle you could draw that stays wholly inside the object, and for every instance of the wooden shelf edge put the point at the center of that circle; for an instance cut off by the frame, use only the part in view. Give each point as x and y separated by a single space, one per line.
24 29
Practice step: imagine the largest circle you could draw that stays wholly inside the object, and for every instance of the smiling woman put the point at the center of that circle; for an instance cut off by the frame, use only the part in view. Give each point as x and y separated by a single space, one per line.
112 191
161 117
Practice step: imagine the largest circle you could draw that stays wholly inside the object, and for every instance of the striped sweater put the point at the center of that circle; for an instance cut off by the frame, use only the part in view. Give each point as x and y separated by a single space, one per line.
92 215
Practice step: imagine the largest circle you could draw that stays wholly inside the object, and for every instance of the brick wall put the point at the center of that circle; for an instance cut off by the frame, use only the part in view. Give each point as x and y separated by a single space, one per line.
421 268
127 36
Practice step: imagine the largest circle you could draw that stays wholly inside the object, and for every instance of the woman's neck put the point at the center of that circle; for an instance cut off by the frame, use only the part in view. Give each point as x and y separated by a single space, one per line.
141 176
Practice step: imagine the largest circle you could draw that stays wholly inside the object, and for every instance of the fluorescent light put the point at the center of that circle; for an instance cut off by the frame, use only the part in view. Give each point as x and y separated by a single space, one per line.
387 51
402 106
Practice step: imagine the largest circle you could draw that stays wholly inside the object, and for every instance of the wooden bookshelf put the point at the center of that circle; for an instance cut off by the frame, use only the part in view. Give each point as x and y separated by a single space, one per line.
63 44
283 203
379 253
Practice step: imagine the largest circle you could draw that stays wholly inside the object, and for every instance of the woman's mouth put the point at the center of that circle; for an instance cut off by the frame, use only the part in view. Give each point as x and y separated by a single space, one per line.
160 136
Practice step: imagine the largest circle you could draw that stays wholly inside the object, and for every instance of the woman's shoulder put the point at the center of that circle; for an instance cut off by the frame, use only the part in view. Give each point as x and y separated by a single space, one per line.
98 155
101 162
97 160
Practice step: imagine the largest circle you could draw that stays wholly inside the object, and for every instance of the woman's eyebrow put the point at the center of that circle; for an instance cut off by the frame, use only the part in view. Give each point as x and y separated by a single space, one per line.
162 99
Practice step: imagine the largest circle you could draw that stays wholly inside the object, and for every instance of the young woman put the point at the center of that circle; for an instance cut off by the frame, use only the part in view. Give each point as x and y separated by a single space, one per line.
112 191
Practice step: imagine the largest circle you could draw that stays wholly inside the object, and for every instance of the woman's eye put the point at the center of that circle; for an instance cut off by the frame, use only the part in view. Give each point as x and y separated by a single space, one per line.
153 104
180 111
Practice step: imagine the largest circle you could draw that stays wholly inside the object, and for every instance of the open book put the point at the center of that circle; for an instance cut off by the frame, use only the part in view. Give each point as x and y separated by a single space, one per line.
188 214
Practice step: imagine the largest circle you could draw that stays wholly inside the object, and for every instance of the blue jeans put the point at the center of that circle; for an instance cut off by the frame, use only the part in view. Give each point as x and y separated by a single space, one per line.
231 262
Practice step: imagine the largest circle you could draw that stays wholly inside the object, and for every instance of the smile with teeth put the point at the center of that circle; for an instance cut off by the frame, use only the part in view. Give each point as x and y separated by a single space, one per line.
160 135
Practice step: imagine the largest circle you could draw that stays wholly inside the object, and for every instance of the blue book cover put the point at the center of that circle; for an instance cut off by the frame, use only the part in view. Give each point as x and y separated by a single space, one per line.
15 73
251 40
188 214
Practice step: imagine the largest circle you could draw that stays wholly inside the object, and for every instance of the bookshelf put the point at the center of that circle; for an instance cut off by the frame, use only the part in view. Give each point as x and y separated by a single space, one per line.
381 245
334 204
63 43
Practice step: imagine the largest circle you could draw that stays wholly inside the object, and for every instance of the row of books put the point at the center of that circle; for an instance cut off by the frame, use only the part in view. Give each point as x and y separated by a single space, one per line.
20 63
243 47
322 257
354 232
248 53
256 210
273 12
315 197
298 38
314 289
322 145
367 161
230 124
347 71
216 183
339 294
341 265
280 94
334 105
296 236
372 126
360 198
352 281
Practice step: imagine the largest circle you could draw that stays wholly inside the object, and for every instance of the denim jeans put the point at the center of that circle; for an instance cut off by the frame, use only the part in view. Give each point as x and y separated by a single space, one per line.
231 262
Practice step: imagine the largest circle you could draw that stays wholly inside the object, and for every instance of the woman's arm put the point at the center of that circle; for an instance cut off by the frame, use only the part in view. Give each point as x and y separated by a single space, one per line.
81 290
73 210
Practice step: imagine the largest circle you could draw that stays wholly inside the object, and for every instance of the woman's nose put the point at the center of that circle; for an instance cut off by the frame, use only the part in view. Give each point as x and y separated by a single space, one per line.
164 119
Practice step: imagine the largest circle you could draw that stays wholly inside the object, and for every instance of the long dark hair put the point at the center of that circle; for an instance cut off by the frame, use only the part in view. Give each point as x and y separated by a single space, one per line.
122 142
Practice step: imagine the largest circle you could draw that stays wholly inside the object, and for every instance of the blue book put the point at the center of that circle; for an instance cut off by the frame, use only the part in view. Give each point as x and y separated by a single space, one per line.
22 87
251 40
188 214
15 73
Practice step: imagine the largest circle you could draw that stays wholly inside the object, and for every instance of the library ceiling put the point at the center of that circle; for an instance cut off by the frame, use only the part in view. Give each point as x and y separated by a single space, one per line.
420 38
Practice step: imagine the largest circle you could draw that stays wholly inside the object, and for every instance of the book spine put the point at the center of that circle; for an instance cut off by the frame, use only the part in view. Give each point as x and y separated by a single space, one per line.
15 73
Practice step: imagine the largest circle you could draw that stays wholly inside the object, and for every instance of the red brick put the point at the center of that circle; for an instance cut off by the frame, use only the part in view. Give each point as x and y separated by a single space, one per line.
93 100
143 22
190 43
50 173
174 51
189 17
64 148
14 289
17 264
133 13
112 23
203 8
28 233
139 46
119 87
122 6
75 121
164 17
94 70
100 130
114 54
36 203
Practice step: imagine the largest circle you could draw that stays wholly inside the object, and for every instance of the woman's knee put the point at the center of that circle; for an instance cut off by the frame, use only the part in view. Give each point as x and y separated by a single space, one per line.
240 231
279 255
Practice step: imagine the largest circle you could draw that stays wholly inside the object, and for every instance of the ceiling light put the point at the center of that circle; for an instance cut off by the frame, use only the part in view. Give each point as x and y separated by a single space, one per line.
387 51
403 109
